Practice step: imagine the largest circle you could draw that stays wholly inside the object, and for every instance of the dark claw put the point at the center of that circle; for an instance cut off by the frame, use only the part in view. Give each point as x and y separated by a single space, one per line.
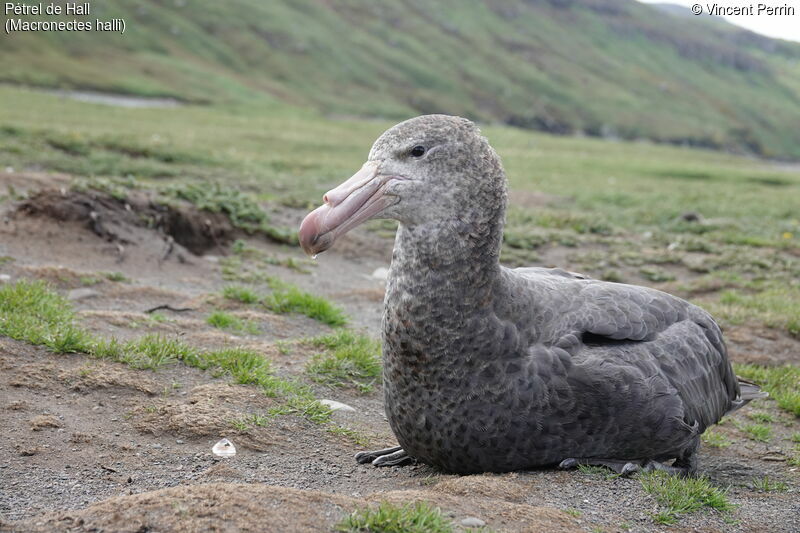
393 459
629 469
623 468
681 471
384 457
568 464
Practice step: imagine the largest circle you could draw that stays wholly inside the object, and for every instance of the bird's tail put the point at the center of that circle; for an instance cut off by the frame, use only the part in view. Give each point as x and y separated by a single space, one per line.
748 391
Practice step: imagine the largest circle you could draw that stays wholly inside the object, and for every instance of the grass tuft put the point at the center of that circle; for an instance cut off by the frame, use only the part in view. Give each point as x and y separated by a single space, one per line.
679 495
418 517
350 359
243 212
765 484
245 366
153 351
116 276
286 298
757 432
31 311
781 382
715 440
597 471
240 293
777 307
356 437
761 417
228 321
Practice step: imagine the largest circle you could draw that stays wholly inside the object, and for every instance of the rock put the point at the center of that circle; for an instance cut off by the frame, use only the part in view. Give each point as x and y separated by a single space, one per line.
337 406
5 278
81 294
691 216
473 522
381 273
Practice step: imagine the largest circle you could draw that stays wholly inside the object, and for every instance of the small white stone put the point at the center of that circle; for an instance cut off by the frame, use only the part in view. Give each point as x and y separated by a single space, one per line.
5 278
381 273
211 258
473 522
224 448
337 406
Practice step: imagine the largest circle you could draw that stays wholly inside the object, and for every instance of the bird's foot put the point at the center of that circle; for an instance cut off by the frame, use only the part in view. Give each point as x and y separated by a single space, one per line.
395 456
628 468
620 467
676 469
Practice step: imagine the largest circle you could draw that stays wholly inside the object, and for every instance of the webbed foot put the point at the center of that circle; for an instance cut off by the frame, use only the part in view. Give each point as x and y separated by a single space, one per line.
621 467
387 457
628 468
676 469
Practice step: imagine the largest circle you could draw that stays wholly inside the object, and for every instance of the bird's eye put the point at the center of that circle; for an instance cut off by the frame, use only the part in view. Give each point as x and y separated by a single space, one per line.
418 151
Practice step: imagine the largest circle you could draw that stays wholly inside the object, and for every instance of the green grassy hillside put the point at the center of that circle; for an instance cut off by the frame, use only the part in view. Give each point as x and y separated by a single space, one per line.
602 67
611 210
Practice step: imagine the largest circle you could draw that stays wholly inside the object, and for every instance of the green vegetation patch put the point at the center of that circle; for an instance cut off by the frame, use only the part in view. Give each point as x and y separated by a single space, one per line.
33 312
356 437
116 276
350 359
231 322
781 382
766 484
417 517
287 298
761 417
677 495
757 432
240 293
242 209
715 440
777 307
597 471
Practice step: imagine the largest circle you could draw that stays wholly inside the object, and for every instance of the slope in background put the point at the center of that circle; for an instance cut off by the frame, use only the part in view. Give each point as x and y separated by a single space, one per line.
599 67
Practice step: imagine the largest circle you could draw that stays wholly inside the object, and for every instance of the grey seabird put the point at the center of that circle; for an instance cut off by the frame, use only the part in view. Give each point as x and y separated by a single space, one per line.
487 368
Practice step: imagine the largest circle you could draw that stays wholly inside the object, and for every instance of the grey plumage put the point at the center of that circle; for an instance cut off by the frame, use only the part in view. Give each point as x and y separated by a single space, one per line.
495 369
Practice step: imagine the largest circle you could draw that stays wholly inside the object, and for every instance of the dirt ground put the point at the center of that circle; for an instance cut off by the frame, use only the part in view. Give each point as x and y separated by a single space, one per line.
90 445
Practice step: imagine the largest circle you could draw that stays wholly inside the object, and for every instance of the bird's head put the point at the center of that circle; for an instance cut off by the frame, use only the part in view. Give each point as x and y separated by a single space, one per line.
432 168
